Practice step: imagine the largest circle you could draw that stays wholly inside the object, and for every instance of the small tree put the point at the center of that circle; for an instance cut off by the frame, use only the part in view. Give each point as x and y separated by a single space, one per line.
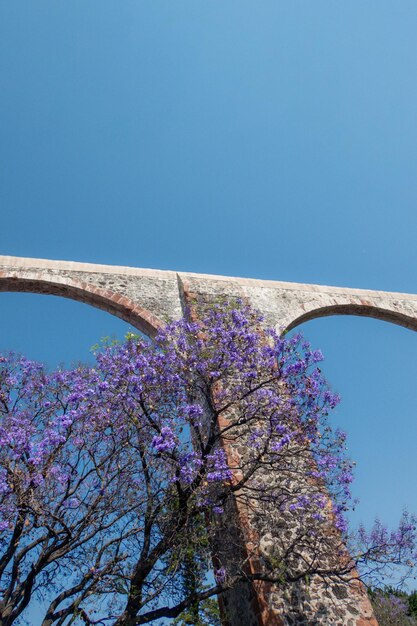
108 473
393 607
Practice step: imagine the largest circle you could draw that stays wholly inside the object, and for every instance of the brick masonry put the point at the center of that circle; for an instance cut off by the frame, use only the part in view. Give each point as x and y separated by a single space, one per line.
149 298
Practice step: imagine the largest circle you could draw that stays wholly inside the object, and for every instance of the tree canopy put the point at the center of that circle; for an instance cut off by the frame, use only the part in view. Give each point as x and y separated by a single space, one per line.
113 477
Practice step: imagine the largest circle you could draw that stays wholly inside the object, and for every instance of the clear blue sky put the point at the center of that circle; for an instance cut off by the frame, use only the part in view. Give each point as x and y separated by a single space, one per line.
265 139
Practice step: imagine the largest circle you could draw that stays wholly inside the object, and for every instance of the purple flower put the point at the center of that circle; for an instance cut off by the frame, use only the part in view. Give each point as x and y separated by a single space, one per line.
219 468
165 441
220 575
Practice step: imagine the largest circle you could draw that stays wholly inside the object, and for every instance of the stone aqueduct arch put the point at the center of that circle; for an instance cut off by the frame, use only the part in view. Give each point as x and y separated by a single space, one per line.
149 298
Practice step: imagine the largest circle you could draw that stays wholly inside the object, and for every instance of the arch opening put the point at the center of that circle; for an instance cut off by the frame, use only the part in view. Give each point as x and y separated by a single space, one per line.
55 331
362 310
373 366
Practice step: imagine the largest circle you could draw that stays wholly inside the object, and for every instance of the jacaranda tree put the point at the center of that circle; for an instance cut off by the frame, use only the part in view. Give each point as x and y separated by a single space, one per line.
117 481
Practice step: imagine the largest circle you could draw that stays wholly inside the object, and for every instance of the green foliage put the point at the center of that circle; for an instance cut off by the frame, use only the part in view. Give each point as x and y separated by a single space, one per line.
208 614
194 556
109 342
412 604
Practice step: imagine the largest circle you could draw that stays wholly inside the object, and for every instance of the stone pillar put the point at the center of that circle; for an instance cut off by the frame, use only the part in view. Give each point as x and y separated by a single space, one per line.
253 538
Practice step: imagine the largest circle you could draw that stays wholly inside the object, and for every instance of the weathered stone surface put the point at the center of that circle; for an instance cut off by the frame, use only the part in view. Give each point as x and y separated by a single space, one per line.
285 305
149 298
145 298
134 293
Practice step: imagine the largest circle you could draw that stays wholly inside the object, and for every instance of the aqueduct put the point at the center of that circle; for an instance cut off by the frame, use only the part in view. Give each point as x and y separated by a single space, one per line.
149 298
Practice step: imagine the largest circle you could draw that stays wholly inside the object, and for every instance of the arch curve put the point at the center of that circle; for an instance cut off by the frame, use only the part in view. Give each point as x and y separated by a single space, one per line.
363 310
107 300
